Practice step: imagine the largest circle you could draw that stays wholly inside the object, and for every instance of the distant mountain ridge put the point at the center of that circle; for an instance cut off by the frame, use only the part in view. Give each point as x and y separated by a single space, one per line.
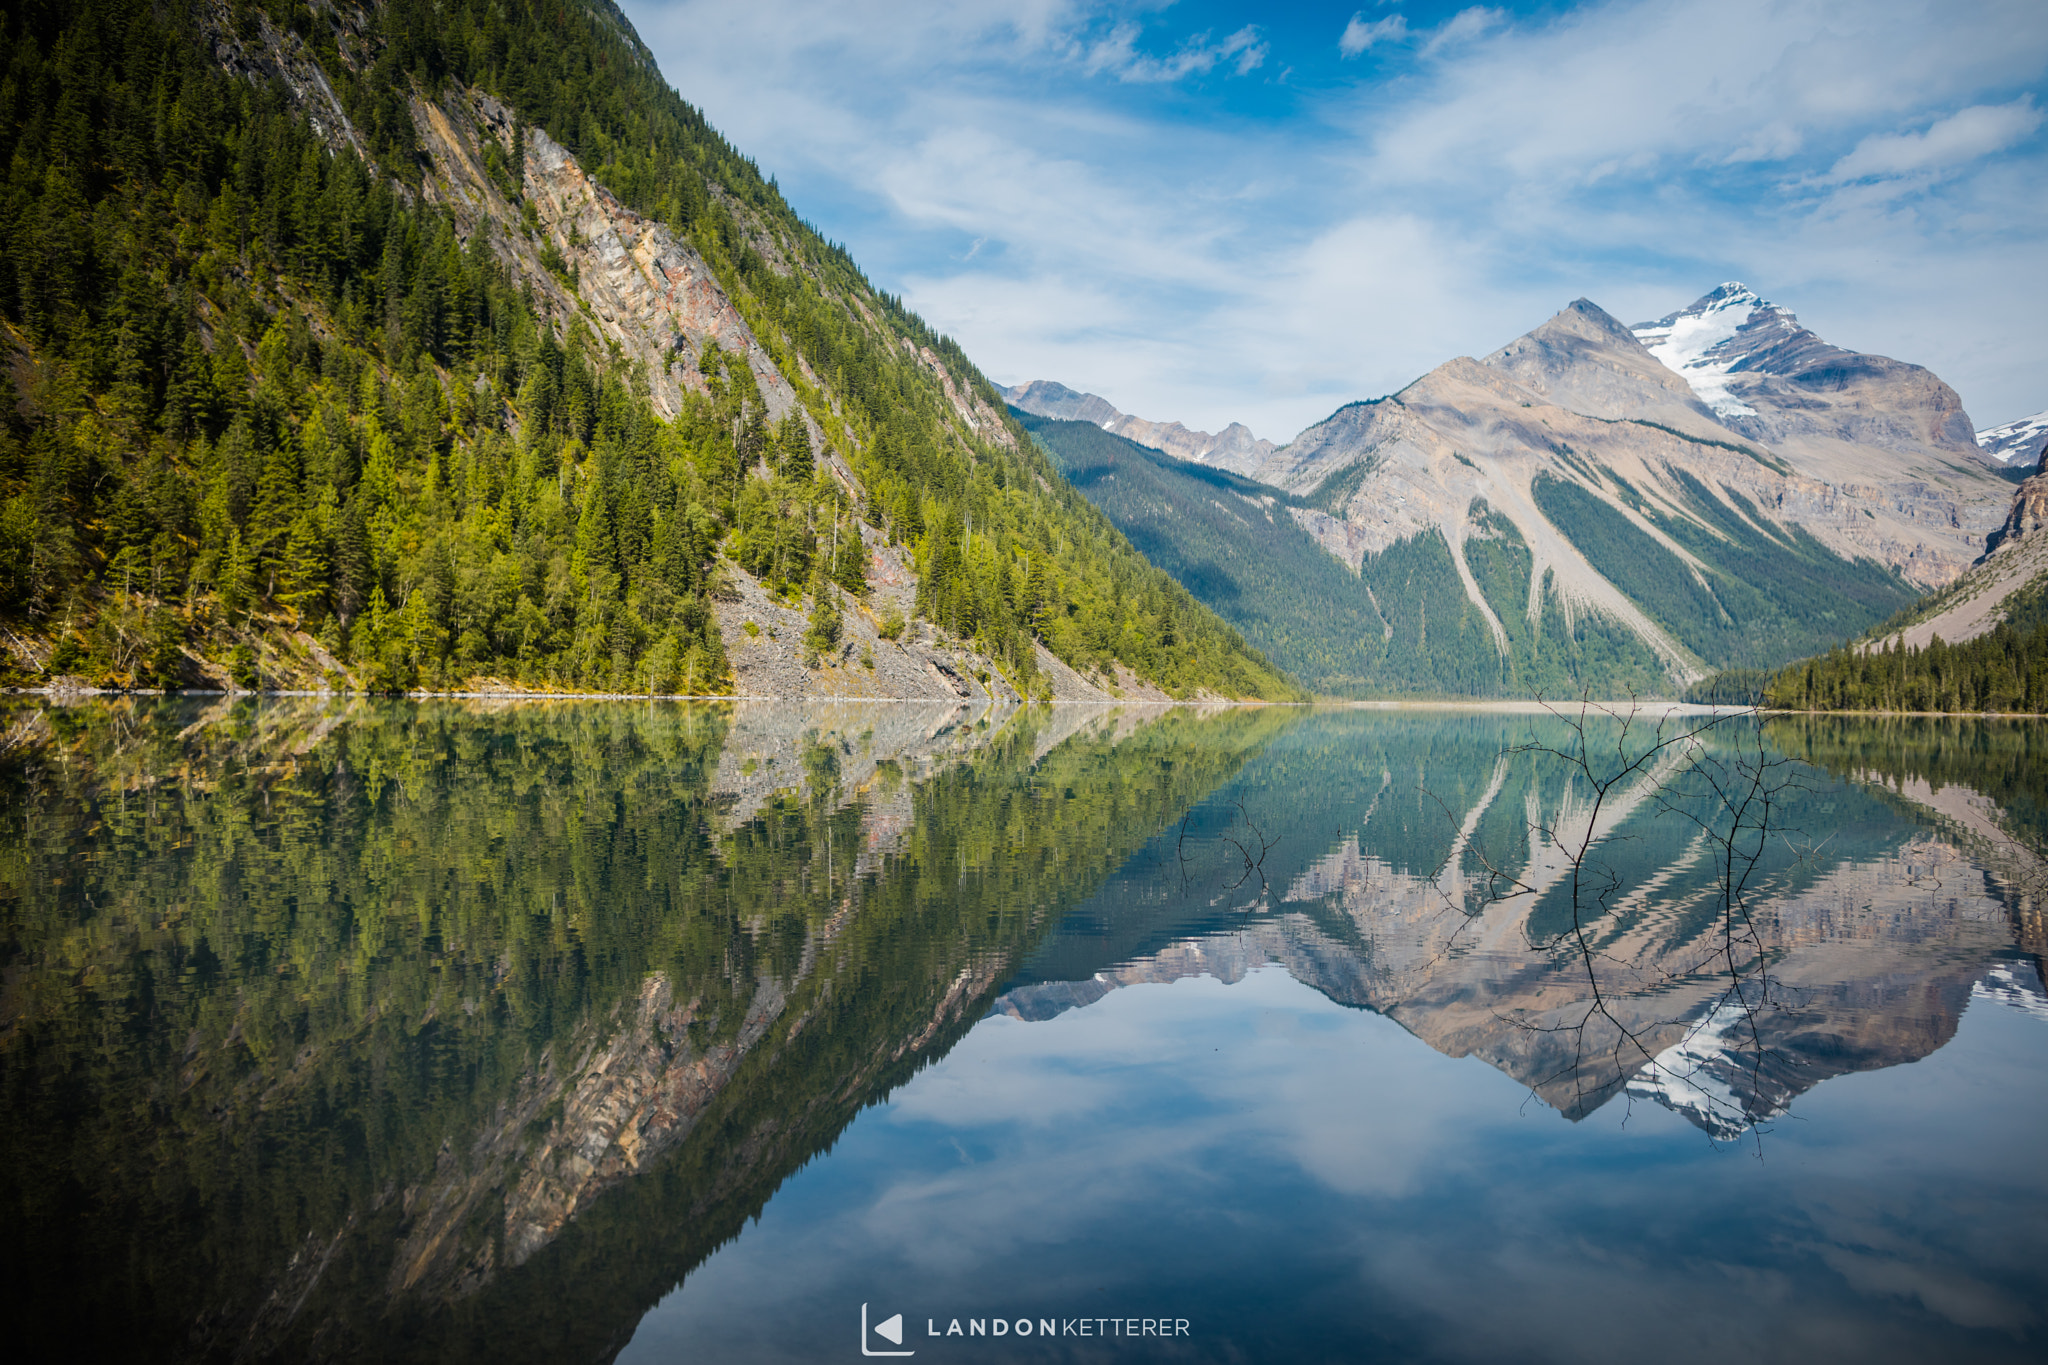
1234 448
1771 379
1626 509
2017 443
1234 544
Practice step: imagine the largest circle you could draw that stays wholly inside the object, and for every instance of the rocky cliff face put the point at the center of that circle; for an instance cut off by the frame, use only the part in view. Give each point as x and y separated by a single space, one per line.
2015 562
2028 514
1868 458
1234 448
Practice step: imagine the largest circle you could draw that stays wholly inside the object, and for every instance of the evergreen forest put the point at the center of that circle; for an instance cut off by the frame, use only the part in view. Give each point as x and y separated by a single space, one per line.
2005 669
269 418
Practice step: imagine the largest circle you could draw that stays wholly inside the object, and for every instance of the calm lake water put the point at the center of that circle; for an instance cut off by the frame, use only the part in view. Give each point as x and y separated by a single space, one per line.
586 1031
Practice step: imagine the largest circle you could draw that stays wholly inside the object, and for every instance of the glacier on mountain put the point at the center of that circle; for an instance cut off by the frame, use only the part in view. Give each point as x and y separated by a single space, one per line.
1695 342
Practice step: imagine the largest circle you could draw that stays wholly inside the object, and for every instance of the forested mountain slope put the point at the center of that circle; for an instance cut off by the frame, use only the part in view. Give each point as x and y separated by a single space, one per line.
1980 644
406 346
1236 547
1669 544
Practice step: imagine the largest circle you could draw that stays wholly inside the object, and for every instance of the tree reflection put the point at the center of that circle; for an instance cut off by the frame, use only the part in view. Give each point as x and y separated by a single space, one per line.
337 1029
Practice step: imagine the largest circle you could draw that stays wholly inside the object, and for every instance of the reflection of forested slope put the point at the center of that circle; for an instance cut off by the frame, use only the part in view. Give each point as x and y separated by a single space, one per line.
1985 781
1873 926
327 1034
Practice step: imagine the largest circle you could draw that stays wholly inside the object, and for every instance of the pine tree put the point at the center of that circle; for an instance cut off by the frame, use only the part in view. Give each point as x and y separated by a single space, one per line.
821 631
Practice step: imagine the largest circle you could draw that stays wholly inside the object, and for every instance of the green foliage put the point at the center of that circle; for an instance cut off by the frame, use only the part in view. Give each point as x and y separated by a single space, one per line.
1759 598
1438 640
2005 761
268 389
1730 687
2005 669
338 946
269 383
1231 543
821 630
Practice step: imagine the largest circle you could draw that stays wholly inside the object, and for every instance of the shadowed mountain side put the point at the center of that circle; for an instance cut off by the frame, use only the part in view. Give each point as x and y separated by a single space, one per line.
446 1033
1233 545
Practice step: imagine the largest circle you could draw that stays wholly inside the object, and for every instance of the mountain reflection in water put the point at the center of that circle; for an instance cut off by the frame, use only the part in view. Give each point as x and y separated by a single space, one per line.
342 1030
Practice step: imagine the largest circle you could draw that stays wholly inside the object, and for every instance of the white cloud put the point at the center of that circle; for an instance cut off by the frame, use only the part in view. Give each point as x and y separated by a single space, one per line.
1210 267
1118 56
1961 137
1359 35
1464 26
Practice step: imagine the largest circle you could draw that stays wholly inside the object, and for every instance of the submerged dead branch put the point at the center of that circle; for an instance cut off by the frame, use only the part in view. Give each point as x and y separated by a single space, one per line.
1714 774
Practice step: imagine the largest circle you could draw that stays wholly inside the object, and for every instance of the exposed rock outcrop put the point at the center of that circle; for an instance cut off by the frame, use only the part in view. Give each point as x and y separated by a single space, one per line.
2015 561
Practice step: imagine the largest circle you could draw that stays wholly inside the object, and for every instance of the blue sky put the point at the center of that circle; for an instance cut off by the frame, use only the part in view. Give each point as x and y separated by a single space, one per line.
1217 212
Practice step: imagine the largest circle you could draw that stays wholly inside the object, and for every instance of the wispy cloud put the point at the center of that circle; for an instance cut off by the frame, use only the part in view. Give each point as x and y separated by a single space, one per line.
1359 35
1161 222
1960 138
1118 55
1463 27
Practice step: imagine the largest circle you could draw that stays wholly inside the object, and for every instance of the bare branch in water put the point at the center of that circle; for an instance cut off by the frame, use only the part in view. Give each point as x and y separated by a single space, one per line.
1733 796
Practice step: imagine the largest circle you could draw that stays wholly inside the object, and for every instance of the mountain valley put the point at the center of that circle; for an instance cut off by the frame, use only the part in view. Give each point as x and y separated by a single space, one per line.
1627 510
453 351
425 371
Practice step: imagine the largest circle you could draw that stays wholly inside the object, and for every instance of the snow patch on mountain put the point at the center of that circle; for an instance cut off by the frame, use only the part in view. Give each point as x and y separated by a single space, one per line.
1696 1077
1696 342
2021 440
2008 984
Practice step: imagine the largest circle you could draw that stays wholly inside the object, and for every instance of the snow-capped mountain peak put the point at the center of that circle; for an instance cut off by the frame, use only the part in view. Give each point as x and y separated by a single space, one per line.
1698 342
2016 442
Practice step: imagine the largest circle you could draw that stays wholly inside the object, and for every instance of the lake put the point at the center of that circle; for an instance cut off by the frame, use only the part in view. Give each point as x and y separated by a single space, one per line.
561 1031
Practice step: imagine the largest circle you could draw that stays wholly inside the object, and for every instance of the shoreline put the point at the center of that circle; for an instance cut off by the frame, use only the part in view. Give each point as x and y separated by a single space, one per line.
1501 705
